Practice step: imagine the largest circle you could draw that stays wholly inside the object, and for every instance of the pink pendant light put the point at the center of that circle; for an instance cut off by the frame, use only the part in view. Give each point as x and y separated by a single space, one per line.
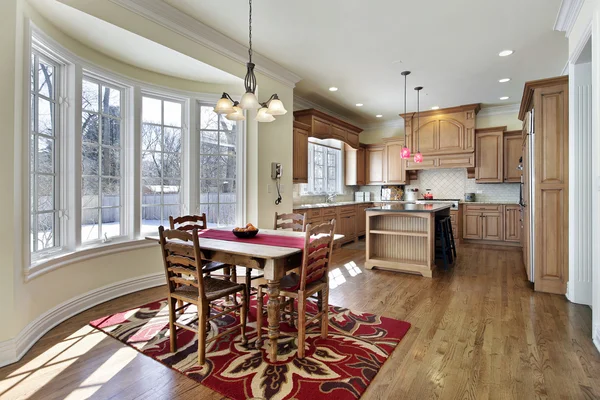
405 152
418 156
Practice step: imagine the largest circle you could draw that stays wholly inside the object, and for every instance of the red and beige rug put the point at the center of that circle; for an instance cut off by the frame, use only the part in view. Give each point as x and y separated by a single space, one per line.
339 367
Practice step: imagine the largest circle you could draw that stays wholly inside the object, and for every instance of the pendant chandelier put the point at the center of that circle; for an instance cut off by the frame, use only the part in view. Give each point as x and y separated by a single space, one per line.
405 152
233 110
418 156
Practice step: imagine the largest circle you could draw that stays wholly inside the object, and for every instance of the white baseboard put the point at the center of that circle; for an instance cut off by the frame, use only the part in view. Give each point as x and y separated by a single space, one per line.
14 349
596 336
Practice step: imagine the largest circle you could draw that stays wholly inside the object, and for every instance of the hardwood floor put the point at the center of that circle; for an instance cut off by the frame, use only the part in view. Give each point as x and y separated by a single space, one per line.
478 331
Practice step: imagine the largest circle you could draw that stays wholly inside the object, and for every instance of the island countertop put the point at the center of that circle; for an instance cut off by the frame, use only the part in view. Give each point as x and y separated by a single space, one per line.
417 208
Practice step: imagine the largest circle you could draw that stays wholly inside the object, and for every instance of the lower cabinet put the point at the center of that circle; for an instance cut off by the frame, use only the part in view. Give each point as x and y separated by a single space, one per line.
472 225
345 219
361 219
512 223
491 226
483 222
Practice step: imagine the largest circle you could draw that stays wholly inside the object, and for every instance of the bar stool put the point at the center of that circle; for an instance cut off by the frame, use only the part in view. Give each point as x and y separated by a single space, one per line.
452 243
443 233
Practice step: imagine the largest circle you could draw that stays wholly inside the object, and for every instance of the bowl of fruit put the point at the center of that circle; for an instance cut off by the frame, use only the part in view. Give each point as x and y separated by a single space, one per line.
249 231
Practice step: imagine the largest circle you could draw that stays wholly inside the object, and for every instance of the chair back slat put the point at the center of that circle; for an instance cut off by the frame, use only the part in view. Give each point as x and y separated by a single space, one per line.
290 221
317 253
183 281
182 260
188 222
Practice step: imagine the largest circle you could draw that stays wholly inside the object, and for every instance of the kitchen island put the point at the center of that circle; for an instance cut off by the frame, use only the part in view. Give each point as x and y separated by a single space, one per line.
401 237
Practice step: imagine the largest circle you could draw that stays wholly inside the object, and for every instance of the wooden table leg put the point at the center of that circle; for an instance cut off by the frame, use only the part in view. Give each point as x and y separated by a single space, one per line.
273 315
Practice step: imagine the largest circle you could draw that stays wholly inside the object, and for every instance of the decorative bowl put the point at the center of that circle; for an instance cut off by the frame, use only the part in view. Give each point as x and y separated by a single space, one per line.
245 234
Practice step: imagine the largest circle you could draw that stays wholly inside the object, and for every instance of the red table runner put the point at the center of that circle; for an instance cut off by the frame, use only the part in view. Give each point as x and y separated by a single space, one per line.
260 238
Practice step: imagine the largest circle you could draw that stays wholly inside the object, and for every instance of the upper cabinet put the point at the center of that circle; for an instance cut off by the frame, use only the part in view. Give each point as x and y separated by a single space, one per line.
384 163
513 150
374 160
300 157
355 166
489 156
324 126
445 137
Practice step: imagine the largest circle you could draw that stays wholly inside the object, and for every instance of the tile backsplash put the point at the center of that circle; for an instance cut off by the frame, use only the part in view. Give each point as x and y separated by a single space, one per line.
453 184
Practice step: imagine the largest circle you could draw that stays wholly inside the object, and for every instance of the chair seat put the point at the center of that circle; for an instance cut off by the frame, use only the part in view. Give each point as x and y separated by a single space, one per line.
290 284
213 288
213 266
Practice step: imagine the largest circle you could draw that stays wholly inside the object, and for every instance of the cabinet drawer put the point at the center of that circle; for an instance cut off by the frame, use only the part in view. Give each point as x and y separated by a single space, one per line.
314 221
329 212
483 207
345 210
428 162
313 213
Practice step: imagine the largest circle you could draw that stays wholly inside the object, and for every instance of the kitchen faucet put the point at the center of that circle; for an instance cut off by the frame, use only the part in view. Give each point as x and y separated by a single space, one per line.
330 198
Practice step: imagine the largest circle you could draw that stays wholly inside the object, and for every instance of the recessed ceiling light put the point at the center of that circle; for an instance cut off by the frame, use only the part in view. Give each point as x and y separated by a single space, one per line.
359 104
504 80
333 89
379 115
504 98
435 107
505 53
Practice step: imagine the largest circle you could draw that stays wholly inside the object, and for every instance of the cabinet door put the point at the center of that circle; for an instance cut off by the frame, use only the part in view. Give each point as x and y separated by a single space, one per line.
472 226
512 153
361 172
338 133
374 161
300 159
348 227
451 137
321 128
492 226
361 219
512 224
489 157
396 174
426 137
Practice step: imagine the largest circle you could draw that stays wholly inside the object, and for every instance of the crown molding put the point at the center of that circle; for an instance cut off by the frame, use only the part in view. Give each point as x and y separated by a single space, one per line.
171 18
396 123
499 110
567 15
301 103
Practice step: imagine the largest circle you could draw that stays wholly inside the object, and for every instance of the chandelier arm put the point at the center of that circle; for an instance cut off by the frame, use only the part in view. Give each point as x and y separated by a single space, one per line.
225 94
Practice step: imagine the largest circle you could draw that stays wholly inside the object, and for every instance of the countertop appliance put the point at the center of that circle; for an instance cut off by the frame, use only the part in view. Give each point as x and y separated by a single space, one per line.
411 195
359 196
469 197
452 202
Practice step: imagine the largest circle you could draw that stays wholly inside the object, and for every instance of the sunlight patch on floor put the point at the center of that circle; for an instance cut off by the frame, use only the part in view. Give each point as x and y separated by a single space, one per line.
336 278
352 268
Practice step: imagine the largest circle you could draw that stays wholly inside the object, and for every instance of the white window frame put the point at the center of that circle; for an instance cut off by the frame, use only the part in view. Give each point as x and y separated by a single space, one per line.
240 164
124 179
183 196
309 188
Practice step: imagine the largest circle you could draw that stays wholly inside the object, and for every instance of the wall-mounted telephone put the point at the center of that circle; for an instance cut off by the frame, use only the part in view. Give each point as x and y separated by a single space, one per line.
276 170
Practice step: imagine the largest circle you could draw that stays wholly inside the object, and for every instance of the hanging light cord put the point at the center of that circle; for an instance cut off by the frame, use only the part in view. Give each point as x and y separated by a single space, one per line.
418 117
250 32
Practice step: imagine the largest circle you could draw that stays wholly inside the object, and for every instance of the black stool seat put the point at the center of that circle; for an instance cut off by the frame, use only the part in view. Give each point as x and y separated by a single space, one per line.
445 248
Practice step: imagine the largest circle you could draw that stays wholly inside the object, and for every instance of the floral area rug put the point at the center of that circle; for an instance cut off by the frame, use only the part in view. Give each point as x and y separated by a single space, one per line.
339 367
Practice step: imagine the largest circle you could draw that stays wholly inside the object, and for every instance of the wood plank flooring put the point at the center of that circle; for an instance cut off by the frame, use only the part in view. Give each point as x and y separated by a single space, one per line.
478 332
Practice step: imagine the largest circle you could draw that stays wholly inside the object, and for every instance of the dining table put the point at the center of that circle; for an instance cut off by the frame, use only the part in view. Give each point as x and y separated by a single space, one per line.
273 261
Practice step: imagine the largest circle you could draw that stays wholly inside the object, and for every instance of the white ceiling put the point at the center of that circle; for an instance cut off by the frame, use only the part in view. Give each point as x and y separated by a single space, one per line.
361 47
128 47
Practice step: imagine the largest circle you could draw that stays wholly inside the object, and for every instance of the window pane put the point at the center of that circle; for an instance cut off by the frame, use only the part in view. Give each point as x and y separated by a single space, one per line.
209 191
151 137
209 167
227 191
46 80
151 164
89 159
45 193
89 96
208 118
319 186
151 110
111 162
227 167
172 140
209 142
212 213
172 165
111 190
45 155
45 117
89 225
225 124
89 127
33 113
227 214
171 191
172 114
151 191
171 211
111 222
111 132
91 191
111 101
45 231
228 143
151 219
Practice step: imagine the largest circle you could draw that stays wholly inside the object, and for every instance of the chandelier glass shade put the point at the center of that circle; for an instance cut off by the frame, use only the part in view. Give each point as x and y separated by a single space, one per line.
233 110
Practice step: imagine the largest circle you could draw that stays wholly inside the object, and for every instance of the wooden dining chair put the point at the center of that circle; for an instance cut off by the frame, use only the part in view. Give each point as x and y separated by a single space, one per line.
186 282
295 222
313 279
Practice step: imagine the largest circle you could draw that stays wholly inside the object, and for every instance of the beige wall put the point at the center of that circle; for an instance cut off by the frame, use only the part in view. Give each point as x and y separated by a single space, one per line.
375 135
23 301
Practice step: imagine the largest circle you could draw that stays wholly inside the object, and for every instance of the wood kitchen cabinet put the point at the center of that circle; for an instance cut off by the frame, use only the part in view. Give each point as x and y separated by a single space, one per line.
374 160
361 219
492 227
472 225
355 166
512 223
300 157
324 126
489 155
513 150
394 171
483 222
